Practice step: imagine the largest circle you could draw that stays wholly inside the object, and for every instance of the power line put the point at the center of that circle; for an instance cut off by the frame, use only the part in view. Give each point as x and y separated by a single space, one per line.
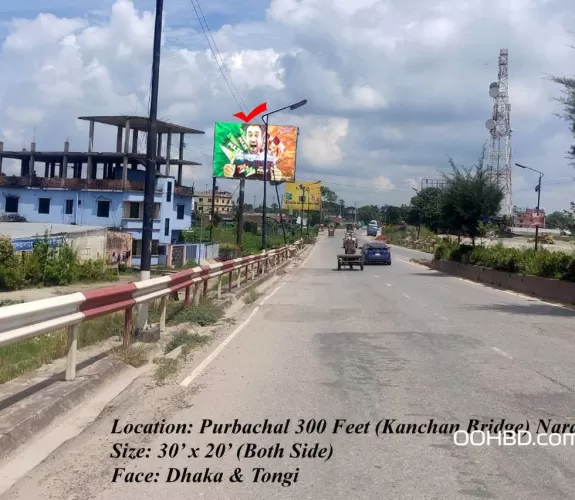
216 52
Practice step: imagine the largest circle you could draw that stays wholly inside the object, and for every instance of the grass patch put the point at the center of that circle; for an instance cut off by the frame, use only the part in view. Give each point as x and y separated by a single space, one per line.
8 302
226 278
251 295
134 355
165 368
204 314
188 340
31 354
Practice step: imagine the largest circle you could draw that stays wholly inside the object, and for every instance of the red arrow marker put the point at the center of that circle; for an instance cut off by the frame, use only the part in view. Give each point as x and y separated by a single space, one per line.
258 110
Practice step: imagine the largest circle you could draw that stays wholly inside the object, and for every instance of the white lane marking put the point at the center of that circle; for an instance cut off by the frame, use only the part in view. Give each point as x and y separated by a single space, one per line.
203 365
375 276
503 353
309 256
388 284
405 295
440 316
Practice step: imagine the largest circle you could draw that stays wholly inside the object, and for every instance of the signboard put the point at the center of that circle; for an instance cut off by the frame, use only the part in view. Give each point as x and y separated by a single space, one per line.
530 218
239 151
310 191
27 244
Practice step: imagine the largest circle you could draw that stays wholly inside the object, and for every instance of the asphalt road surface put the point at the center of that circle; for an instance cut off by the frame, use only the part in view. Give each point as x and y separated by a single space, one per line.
392 342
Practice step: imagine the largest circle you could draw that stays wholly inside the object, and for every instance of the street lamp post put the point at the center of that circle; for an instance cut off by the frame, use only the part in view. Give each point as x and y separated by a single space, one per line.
265 119
538 189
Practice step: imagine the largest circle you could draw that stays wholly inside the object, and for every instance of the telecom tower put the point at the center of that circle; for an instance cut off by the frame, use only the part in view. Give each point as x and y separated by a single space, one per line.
499 126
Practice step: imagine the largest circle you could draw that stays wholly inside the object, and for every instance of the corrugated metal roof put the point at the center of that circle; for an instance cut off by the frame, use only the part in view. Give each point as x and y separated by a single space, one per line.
16 230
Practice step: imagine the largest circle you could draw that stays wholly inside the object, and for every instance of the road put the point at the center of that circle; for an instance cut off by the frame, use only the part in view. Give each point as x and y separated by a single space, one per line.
399 342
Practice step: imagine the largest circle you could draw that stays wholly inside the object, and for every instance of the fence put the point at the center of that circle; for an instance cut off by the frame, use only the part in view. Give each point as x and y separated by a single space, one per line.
24 321
182 254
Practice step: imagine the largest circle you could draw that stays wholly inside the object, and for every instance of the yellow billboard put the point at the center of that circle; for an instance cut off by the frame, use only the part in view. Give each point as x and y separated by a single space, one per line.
302 196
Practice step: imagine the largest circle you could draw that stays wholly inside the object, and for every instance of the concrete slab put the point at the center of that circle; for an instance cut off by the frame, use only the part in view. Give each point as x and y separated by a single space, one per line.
28 404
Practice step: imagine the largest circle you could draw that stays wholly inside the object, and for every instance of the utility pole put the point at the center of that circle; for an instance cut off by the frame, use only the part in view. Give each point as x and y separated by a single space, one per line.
151 152
302 199
538 203
240 228
307 221
213 212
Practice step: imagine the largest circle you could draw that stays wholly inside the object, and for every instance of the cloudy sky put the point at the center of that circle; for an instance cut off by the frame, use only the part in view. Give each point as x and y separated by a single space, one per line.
393 86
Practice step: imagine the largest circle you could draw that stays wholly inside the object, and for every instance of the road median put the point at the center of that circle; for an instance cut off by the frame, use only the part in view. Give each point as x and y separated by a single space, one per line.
562 292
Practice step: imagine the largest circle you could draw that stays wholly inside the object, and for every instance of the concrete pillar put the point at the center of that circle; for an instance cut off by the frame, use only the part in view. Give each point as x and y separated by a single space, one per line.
93 169
159 153
126 151
119 139
181 157
25 167
64 165
134 141
90 147
46 169
1 150
168 152
31 168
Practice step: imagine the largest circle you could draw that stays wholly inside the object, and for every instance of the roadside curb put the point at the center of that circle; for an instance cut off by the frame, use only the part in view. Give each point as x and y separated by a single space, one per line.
34 413
25 415
558 293
235 296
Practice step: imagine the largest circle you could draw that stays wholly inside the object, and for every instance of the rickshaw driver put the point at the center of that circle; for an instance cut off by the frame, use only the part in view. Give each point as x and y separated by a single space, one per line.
349 245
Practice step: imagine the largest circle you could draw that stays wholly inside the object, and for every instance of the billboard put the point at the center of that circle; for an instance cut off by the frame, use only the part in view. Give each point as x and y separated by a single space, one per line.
531 218
310 191
239 151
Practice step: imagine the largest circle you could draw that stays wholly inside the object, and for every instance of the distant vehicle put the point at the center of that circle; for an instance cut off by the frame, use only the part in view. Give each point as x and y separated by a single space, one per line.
374 223
372 230
376 253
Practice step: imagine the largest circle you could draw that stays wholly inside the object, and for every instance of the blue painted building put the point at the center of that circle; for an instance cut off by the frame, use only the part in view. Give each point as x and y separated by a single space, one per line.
109 192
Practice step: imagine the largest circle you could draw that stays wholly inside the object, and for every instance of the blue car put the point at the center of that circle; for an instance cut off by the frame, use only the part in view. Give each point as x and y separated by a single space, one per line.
376 252
372 230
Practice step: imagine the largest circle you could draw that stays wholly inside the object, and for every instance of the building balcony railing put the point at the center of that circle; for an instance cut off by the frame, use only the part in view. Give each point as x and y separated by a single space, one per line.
81 184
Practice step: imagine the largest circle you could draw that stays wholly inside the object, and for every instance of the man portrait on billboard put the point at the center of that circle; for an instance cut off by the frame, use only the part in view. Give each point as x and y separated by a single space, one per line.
254 138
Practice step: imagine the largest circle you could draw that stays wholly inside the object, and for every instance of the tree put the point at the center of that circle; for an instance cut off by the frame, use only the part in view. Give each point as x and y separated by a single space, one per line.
469 197
368 213
329 200
561 220
394 215
426 209
568 102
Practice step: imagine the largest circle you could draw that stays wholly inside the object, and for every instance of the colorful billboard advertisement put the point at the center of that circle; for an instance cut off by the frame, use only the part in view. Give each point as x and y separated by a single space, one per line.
307 192
239 151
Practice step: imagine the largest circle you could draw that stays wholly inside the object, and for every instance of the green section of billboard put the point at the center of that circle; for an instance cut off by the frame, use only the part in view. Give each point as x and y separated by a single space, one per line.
239 151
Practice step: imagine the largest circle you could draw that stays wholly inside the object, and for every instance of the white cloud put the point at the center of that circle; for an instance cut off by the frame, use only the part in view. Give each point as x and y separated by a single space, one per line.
393 87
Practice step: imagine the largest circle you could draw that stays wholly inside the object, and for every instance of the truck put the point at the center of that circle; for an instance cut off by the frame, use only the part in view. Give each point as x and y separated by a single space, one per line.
372 230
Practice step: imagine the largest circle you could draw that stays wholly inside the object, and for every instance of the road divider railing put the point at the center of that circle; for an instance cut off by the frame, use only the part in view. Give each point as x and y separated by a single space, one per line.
21 322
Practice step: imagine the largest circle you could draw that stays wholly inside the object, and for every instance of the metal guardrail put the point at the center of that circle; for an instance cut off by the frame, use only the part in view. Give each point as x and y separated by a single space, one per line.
21 322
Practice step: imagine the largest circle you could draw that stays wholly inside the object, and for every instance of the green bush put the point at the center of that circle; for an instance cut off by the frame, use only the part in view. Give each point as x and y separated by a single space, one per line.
45 266
542 263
